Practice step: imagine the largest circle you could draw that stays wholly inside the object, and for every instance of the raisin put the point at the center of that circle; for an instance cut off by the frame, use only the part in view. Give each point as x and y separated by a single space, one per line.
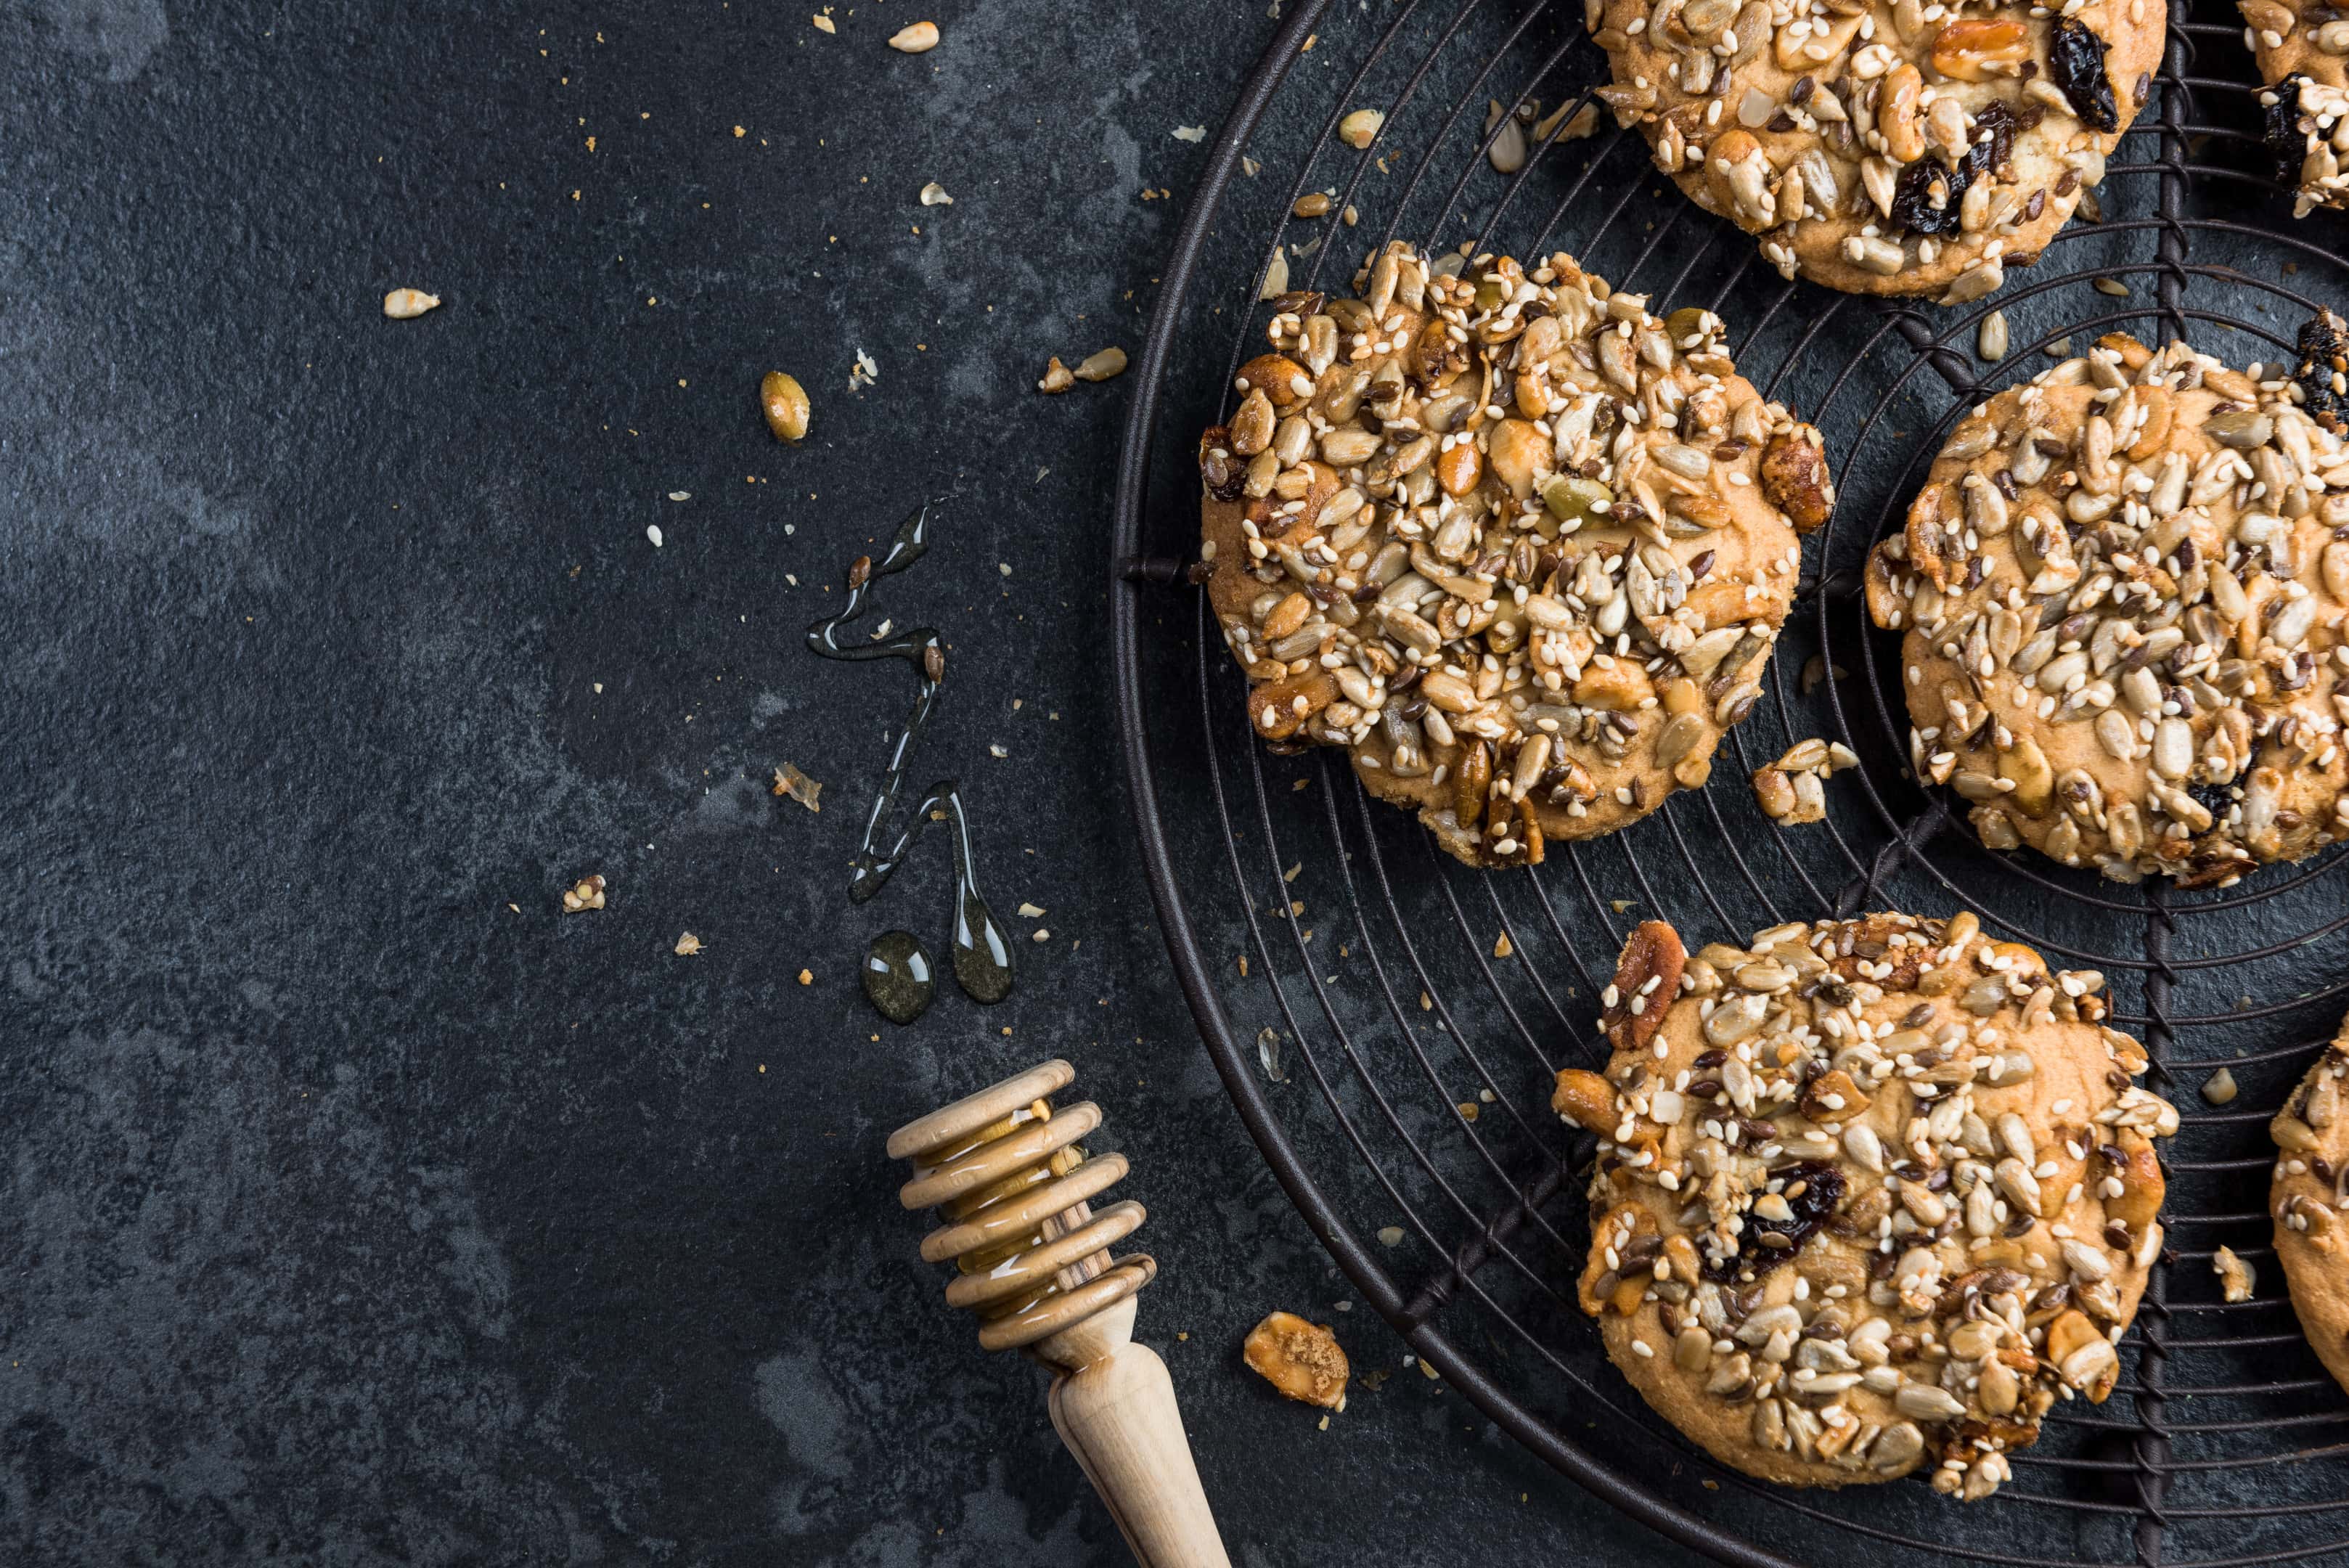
2281 129
2076 57
2323 356
1223 475
1913 205
2217 799
1821 1194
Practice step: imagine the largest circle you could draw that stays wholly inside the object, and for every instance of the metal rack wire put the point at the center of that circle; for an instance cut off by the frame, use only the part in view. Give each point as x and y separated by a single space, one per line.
1388 1023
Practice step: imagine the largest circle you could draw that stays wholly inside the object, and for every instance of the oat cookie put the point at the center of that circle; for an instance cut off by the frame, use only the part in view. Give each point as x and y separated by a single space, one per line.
1870 1195
2309 1197
2122 588
1904 147
2303 56
1517 545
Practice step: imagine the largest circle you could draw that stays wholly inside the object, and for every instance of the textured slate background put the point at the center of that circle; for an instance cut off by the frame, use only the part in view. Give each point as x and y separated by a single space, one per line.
359 1207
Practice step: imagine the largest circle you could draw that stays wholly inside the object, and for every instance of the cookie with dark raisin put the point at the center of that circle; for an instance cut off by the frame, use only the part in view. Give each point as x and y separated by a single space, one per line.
2302 49
2124 596
1869 1198
1896 149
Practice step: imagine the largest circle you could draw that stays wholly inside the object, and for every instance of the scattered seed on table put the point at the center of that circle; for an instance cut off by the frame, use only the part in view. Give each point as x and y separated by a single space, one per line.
1190 133
652 531
785 403
1101 367
2113 287
824 22
935 195
1359 128
1311 204
406 304
918 39
2220 1088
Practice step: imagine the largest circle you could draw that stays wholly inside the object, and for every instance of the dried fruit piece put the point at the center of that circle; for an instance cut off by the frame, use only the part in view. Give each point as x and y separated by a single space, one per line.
1813 1191
784 402
1301 1359
2076 59
2279 129
2323 370
1930 193
1647 979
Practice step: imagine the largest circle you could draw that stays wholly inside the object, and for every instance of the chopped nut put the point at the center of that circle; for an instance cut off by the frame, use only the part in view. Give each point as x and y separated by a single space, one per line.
1299 1358
822 23
2219 1087
406 303
807 977
1389 1235
785 403
935 195
1101 367
2235 1276
1502 945
587 893
1359 128
687 945
1056 377
790 781
918 39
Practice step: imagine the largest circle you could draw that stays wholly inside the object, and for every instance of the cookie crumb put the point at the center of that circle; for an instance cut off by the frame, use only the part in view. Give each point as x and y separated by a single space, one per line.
1301 1359
587 893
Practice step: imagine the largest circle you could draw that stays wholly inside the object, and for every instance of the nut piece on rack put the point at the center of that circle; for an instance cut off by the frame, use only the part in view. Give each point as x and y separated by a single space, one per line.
1299 1358
1517 545
1793 789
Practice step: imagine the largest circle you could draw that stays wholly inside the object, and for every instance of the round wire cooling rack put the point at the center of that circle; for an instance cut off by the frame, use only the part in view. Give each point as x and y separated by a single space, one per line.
1388 1023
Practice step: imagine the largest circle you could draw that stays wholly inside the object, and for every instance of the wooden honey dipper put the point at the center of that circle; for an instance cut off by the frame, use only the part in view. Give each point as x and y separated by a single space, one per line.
1016 1192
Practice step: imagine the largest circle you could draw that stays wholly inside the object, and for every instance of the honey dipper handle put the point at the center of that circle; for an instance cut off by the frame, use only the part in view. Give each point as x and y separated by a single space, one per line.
1118 1417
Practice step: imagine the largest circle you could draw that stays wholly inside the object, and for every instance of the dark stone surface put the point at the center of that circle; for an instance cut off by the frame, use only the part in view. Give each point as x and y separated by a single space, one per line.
362 1209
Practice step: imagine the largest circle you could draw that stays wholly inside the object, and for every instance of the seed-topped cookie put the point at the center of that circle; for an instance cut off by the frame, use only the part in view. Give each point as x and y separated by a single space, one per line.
1517 545
2123 589
2302 51
1870 1195
2309 1197
1883 149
